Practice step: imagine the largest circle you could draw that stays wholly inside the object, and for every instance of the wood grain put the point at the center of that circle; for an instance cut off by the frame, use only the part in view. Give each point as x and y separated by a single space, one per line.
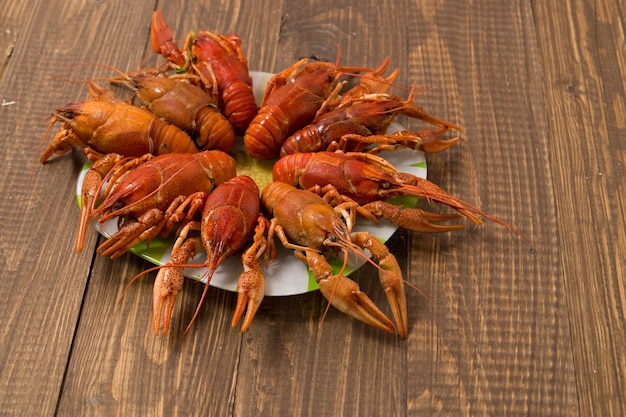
499 325
584 90
489 309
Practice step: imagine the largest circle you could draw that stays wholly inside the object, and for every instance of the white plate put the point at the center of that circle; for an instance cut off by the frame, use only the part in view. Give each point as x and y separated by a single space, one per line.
286 275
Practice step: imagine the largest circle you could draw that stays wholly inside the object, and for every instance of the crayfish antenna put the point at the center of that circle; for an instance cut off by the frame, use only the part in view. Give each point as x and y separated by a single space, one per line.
214 259
425 188
208 274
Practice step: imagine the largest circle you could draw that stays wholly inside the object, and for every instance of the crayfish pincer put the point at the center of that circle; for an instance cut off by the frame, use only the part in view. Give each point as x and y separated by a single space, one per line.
306 223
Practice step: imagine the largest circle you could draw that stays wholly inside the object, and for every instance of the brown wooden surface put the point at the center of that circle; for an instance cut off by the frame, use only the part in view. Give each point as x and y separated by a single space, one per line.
510 327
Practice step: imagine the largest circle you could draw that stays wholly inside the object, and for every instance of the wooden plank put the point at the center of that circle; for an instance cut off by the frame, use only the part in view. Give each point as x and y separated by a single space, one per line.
119 367
13 18
43 281
583 54
496 341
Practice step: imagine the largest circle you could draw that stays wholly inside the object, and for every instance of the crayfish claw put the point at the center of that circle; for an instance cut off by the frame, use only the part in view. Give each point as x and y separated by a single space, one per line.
90 191
414 219
168 284
251 283
345 295
390 277
161 40
251 288
391 281
417 112
431 142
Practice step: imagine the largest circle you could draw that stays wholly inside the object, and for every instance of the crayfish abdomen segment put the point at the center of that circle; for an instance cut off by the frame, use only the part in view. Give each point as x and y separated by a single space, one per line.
266 133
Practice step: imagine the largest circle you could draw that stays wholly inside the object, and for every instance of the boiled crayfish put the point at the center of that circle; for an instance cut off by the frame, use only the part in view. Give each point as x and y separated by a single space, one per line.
370 180
292 99
306 223
186 106
220 63
105 125
361 117
146 193
230 219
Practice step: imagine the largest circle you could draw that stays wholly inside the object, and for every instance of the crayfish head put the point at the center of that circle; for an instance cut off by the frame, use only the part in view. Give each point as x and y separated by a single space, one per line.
150 88
321 225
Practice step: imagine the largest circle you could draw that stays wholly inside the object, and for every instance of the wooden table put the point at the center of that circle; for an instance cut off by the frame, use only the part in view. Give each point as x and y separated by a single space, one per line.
507 327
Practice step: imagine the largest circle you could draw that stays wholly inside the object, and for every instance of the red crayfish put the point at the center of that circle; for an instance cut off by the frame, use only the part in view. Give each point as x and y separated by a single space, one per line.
369 180
306 223
178 101
104 125
362 115
230 219
220 63
146 192
291 101
363 123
